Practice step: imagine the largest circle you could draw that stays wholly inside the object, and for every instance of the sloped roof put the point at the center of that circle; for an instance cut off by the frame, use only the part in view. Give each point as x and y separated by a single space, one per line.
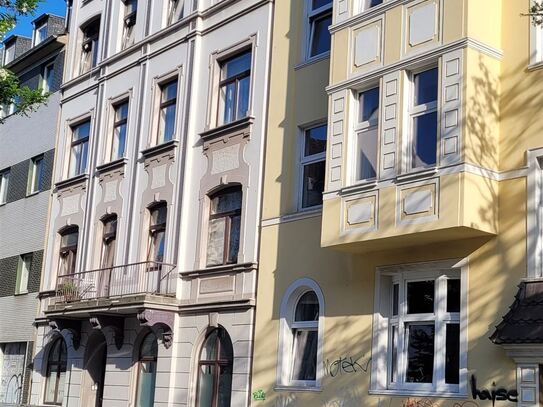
523 324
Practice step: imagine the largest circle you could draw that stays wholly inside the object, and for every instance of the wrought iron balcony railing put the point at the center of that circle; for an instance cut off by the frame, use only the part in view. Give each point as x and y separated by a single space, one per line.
119 281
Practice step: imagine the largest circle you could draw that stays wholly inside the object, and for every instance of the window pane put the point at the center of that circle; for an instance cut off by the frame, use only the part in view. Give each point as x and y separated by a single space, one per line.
315 141
320 42
4 182
81 131
426 86
236 65
367 154
119 141
52 373
369 105
420 353
307 308
424 140
215 242
149 347
313 184
227 352
373 3
395 298
167 123
169 91
146 383
235 225
453 295
227 102
420 297
69 239
225 386
158 215
157 246
209 350
452 354
206 379
320 3
226 202
305 355
394 356
243 97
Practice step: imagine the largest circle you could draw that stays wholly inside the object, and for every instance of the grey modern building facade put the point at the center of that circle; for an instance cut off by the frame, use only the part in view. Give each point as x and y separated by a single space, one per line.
26 166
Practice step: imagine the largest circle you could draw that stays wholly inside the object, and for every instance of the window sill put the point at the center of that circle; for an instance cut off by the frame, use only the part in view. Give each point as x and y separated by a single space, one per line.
33 193
227 128
415 393
120 162
160 148
313 60
417 174
78 179
297 388
359 187
225 268
19 294
534 66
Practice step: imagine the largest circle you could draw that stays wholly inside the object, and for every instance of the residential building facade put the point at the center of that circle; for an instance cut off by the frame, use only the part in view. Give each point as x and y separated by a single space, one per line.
26 165
150 267
402 207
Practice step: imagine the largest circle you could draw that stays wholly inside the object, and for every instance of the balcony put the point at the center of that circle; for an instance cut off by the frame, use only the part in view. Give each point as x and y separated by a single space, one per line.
118 289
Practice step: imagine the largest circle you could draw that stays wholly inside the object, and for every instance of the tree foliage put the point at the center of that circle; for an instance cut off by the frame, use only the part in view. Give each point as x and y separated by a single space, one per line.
24 99
536 12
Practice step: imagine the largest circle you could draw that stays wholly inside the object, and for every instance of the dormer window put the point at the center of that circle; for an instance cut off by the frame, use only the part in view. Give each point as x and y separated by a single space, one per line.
129 22
9 53
89 46
40 33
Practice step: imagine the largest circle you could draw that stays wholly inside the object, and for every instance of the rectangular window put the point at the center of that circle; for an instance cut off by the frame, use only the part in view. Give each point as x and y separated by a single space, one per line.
319 19
120 121
79 149
40 34
167 111
23 272
69 240
424 119
4 184
234 87
312 168
89 46
157 233
367 4
423 318
129 22
48 77
367 134
35 175
224 227
9 54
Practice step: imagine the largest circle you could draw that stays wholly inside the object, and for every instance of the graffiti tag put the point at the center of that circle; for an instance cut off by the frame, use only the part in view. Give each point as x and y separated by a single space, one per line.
494 394
345 365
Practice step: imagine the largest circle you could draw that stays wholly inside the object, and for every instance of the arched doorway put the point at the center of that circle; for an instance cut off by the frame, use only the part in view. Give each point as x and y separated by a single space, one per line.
95 366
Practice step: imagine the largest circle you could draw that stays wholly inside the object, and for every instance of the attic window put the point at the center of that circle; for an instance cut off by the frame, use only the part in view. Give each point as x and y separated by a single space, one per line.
9 53
40 33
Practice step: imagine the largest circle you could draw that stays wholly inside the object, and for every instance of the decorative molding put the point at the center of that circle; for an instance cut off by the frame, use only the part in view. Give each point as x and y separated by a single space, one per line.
71 182
232 128
112 165
115 323
160 148
314 213
72 325
165 319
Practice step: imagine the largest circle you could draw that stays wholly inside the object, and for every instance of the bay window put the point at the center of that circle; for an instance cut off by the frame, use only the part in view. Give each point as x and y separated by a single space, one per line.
423 113
367 135
419 331
234 87
79 148
319 19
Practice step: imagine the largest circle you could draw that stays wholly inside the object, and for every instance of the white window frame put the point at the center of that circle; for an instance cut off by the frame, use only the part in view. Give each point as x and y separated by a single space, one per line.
286 341
362 127
32 174
536 42
37 39
306 160
535 214
46 69
7 57
382 327
4 185
23 273
420 110
310 15
364 5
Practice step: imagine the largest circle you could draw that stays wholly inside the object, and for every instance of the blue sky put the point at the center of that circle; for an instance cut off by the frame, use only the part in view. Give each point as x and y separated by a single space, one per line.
24 24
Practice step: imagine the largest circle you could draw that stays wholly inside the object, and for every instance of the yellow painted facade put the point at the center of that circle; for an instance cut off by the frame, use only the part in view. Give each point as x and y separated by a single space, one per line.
470 209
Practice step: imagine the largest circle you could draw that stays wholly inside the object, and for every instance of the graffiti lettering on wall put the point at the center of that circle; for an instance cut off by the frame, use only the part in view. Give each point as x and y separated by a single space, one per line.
424 402
466 404
494 394
346 365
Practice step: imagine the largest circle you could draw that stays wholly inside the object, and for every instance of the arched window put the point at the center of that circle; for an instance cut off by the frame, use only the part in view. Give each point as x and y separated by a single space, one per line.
56 372
215 370
224 227
147 363
300 348
68 250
